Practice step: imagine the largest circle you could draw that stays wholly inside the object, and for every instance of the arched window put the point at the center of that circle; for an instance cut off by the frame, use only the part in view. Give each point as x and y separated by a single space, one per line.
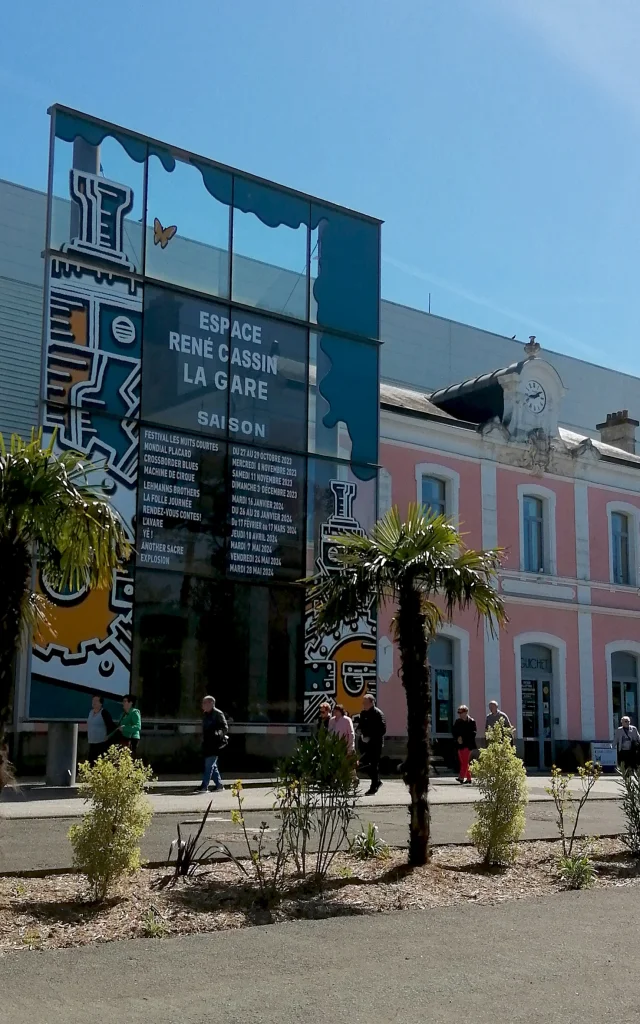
533 533
624 686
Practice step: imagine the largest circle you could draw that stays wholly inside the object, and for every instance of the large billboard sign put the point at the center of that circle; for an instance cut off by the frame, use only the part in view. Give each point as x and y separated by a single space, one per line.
211 344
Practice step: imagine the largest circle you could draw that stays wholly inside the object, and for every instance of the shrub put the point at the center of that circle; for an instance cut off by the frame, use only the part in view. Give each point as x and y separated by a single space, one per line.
630 784
367 844
316 796
568 805
106 842
577 870
502 782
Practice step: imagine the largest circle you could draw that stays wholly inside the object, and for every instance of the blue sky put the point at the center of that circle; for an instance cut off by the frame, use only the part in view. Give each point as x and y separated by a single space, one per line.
498 139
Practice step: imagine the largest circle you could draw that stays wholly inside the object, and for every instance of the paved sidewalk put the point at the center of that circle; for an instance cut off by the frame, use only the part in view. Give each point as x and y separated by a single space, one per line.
565 959
27 803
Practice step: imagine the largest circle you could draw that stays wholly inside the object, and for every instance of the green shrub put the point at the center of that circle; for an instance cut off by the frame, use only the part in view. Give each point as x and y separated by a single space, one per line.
367 844
630 784
577 870
502 782
106 842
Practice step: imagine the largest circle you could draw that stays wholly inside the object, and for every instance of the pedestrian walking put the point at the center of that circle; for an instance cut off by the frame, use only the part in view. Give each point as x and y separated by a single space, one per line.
464 733
341 725
496 715
130 724
324 717
372 728
627 744
100 728
215 737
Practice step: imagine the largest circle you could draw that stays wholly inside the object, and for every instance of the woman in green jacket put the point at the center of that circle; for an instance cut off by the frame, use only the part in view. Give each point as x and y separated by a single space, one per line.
130 724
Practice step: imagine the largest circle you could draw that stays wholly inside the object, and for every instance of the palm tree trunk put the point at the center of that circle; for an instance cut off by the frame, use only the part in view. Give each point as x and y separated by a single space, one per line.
15 559
416 681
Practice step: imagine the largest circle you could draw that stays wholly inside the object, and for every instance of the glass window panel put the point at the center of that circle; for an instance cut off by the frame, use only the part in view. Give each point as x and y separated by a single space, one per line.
441 652
624 666
185 361
270 238
97 203
442 701
434 495
343 398
187 229
182 629
268 381
267 514
533 534
186 627
620 547
346 291
268 652
338 501
182 502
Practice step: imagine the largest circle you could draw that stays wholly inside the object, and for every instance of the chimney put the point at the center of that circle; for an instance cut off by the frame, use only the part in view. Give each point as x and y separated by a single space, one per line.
619 431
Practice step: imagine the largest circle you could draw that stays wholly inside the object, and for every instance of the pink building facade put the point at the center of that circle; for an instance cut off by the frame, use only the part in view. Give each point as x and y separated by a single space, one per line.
566 510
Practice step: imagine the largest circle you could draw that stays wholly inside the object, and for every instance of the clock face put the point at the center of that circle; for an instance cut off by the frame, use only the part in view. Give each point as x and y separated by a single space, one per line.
534 396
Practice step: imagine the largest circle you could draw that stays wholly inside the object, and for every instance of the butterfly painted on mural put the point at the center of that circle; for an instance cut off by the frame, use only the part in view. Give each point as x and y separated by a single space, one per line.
162 236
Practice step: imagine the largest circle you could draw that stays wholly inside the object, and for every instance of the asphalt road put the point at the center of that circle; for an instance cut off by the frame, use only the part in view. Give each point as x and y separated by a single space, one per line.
559 960
41 843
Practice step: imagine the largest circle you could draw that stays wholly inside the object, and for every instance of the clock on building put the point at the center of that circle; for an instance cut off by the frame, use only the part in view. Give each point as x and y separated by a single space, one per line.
534 396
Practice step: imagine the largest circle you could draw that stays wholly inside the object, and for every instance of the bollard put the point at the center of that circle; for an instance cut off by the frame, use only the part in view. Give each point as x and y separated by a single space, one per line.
62 753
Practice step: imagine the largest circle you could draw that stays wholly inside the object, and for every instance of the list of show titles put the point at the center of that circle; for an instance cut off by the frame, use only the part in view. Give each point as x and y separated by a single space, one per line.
264 503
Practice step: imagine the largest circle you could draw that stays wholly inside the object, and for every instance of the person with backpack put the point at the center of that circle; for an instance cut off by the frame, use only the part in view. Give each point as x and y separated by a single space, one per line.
215 737
371 732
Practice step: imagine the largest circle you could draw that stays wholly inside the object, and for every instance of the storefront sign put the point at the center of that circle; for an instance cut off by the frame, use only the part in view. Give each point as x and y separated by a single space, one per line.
215 370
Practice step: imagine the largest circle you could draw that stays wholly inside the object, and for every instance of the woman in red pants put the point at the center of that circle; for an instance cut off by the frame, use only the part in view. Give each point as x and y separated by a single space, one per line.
464 733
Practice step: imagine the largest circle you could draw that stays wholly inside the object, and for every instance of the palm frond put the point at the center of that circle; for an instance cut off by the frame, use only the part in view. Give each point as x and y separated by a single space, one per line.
424 550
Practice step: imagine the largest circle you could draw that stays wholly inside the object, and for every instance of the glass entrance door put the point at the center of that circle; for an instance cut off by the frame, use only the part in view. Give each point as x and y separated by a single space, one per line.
537 730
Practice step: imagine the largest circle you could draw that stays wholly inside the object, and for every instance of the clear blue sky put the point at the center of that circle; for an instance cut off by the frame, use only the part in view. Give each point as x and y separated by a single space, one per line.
498 139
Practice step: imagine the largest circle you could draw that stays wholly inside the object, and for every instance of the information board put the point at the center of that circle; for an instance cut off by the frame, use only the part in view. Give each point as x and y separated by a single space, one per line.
210 368
182 502
205 507
267 514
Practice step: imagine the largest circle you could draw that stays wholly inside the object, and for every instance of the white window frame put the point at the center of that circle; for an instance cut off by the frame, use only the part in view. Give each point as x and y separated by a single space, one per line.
632 512
548 498
618 647
451 481
460 657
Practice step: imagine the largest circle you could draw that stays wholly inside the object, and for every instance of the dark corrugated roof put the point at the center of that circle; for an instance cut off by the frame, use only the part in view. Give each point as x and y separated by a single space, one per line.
478 399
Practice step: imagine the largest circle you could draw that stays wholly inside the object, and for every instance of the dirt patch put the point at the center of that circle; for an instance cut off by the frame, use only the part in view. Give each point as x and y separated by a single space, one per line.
55 911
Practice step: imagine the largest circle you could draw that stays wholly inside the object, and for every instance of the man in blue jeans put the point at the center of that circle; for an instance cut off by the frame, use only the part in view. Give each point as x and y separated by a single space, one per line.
215 736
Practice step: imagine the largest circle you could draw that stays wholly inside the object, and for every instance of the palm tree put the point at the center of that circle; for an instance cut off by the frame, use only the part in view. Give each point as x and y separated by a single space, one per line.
47 508
423 568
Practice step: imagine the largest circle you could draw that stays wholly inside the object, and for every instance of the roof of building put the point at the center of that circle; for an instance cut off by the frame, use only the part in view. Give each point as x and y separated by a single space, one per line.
478 399
409 400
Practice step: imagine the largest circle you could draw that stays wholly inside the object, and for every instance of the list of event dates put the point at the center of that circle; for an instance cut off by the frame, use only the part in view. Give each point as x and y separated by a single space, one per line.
264 503
264 499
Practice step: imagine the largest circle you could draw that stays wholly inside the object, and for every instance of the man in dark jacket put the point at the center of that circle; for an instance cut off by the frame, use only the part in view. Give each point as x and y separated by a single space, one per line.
371 730
215 736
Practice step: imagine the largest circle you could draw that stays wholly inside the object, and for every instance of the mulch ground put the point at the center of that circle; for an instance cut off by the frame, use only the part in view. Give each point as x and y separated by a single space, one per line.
56 911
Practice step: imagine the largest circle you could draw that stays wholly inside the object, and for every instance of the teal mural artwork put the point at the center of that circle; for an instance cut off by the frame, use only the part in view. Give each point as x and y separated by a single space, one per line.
69 127
347 288
350 389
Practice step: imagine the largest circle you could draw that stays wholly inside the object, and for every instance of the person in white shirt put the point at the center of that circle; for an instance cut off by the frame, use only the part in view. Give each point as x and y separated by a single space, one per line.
627 744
